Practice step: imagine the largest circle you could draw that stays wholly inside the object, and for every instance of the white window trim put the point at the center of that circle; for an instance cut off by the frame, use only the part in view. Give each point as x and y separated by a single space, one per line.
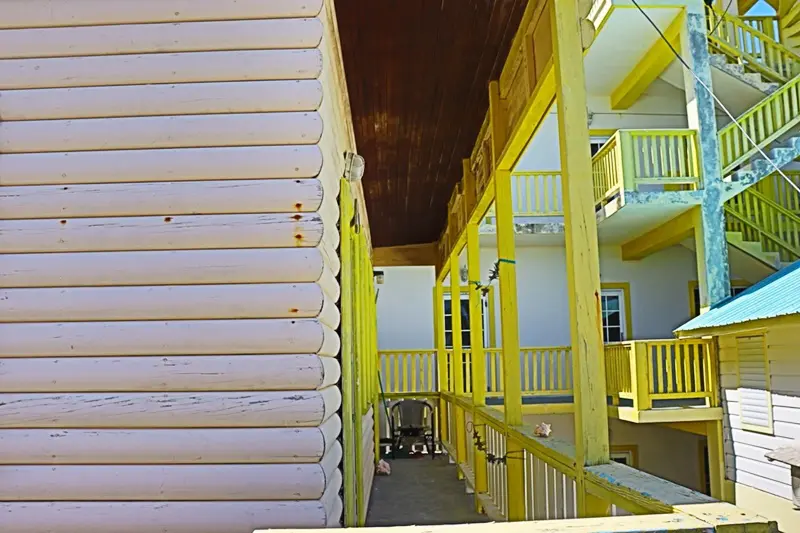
623 316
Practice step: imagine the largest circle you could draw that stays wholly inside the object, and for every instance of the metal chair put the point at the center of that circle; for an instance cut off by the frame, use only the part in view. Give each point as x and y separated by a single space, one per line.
413 422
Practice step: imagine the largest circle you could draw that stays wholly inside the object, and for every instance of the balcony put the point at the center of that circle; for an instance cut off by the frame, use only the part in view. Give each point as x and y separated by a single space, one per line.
646 381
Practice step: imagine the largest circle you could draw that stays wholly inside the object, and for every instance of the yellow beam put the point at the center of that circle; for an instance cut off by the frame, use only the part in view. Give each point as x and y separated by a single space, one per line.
654 62
667 234
457 365
697 428
409 255
441 361
476 345
347 358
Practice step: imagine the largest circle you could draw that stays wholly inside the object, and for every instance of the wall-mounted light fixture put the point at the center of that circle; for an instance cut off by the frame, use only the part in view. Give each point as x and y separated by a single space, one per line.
353 166
378 275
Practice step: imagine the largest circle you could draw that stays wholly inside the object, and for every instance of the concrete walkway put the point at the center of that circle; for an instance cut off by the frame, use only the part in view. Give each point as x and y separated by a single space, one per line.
421 491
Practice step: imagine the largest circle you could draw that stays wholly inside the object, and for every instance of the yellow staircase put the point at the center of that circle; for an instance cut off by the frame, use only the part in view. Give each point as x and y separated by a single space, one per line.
763 226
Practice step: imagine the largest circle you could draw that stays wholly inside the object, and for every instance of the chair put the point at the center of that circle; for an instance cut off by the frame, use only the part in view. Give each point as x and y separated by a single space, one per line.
412 422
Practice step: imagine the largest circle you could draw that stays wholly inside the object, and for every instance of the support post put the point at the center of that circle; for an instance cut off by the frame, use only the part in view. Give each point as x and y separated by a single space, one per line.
583 264
640 380
441 357
358 372
716 459
711 244
478 356
347 355
458 357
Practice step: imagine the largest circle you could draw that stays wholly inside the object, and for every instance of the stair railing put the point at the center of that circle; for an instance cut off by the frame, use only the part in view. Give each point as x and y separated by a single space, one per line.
761 220
765 122
751 48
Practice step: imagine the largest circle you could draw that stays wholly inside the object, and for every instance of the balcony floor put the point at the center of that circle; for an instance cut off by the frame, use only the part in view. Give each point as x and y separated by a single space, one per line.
421 492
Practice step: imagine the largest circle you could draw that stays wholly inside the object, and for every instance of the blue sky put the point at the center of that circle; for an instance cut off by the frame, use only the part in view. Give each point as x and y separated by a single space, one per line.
761 8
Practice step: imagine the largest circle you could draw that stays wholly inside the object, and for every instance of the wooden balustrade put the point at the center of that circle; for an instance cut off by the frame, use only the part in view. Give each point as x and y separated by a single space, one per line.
407 371
633 158
759 219
742 41
648 371
768 25
537 194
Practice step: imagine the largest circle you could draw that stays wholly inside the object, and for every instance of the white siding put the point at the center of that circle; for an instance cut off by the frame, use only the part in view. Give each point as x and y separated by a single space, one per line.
744 448
168 294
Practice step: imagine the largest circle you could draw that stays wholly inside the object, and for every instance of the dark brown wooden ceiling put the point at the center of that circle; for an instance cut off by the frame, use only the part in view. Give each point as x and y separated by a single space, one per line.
418 73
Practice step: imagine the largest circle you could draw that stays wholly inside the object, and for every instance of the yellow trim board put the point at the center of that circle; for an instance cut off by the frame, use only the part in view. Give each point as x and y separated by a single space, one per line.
654 62
697 428
625 287
409 255
667 234
662 416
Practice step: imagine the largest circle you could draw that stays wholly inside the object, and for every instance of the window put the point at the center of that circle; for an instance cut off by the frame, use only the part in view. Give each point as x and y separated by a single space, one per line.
596 143
755 399
735 289
625 454
614 319
466 341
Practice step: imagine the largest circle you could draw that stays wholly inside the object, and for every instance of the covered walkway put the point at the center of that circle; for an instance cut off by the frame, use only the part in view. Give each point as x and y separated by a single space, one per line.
421 492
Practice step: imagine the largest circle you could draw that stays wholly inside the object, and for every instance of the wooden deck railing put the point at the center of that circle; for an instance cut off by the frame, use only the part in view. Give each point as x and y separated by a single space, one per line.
648 371
762 220
632 158
742 41
489 448
641 371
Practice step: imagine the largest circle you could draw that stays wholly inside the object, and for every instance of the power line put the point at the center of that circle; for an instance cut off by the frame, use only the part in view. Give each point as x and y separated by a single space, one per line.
714 96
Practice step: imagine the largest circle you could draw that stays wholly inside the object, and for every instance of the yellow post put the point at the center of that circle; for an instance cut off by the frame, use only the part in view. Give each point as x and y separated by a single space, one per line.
583 265
478 357
509 319
716 460
640 382
358 375
441 361
458 356
347 357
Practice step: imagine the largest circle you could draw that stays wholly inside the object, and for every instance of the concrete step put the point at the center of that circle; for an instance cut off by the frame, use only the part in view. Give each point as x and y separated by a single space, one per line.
781 155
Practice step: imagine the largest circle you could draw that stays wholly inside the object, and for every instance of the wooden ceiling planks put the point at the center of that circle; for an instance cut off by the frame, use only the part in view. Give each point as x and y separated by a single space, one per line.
418 73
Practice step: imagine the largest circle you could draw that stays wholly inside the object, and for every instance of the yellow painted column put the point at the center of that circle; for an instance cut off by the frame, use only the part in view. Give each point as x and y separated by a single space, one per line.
583 264
347 355
358 376
478 356
458 357
441 361
716 459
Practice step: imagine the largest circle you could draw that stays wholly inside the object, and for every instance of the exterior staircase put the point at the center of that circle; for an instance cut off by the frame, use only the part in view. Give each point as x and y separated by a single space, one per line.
773 123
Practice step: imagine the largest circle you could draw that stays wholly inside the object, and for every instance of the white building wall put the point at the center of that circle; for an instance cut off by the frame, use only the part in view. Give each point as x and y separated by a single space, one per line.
659 293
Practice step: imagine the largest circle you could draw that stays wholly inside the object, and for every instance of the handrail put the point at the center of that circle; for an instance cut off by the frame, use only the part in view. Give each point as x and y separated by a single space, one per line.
757 51
760 219
606 171
765 122
537 193
768 25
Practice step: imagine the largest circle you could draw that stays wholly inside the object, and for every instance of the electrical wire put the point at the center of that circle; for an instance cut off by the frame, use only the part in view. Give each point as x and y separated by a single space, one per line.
720 19
714 96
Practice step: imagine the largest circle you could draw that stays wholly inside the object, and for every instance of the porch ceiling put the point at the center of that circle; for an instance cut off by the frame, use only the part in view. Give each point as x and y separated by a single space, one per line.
417 73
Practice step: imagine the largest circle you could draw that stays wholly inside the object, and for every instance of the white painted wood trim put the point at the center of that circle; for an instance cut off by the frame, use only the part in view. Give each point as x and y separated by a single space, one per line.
157 517
169 410
305 481
46 13
168 373
166 302
164 37
154 100
182 131
167 446
184 164
161 198
188 232
186 337
168 267
92 71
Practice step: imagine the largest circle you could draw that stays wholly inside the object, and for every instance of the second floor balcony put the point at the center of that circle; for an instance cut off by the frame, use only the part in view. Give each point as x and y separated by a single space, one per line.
646 380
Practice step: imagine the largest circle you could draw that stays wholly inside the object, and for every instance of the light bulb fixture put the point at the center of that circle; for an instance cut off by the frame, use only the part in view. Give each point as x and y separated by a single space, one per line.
353 166
378 275
463 273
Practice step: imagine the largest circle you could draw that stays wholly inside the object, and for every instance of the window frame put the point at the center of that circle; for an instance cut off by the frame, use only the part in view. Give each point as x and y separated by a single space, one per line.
626 320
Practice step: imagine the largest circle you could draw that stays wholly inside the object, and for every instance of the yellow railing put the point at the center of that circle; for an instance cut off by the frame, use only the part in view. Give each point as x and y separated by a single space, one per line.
632 158
776 187
537 193
761 220
490 449
765 24
544 370
408 371
660 370
755 50
765 122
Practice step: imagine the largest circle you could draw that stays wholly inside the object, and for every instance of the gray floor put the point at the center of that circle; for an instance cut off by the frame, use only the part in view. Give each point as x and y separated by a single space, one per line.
421 492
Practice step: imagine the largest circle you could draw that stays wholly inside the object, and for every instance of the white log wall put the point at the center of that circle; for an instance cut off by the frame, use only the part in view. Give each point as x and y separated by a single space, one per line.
168 278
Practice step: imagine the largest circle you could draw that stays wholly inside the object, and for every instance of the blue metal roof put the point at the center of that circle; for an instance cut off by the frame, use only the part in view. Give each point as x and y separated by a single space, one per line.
774 296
